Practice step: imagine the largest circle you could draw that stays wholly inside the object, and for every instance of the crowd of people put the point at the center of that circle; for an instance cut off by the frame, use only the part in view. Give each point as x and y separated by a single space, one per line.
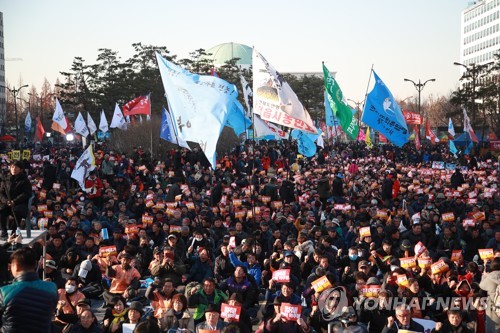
355 239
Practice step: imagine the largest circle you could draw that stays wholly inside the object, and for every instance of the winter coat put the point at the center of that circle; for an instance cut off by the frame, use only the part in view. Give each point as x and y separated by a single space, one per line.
18 189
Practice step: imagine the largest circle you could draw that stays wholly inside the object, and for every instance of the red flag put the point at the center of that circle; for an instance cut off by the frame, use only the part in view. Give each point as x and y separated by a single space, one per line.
429 134
382 138
56 127
139 105
417 137
40 132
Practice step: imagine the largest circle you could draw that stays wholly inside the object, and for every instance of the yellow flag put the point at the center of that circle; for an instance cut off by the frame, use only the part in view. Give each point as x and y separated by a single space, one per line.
368 138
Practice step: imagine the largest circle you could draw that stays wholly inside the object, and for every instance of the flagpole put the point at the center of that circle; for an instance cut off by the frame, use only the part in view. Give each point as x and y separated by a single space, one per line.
151 127
366 94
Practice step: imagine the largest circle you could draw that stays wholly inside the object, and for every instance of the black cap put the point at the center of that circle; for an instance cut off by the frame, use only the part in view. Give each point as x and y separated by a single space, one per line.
84 301
19 164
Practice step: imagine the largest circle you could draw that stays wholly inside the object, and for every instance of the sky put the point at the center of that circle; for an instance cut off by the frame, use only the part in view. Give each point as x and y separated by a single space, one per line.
418 40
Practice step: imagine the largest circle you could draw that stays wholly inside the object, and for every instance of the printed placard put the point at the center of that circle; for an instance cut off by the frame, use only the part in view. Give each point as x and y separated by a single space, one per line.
190 205
175 228
43 223
448 217
321 284
402 280
424 263
106 251
48 214
230 312
439 267
486 254
479 216
147 219
408 262
277 204
419 249
282 275
239 214
456 255
338 206
381 213
171 205
150 203
178 197
468 223
56 186
160 205
41 208
290 312
265 199
237 202
131 229
371 290
365 232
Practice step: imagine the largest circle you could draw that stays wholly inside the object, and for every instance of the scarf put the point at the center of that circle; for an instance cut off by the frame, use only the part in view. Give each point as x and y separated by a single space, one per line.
118 317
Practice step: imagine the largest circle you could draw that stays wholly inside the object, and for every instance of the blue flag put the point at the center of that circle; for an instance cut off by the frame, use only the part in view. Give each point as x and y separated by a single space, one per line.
453 149
383 114
468 149
199 104
237 120
167 130
306 142
27 123
329 116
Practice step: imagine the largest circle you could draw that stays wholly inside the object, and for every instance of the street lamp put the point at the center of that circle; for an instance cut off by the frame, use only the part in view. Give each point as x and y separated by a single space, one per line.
358 109
41 102
419 86
14 92
472 72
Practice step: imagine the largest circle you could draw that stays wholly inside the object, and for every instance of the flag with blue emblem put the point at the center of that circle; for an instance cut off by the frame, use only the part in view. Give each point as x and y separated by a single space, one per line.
383 114
451 129
167 130
199 104
27 123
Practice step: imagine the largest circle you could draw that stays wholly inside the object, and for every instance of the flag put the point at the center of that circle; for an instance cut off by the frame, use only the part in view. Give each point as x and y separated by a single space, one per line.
81 126
469 147
268 131
237 120
167 131
84 165
91 124
361 135
118 120
329 116
305 142
139 105
429 133
383 114
338 105
213 72
468 128
148 117
40 132
27 123
453 148
320 142
247 95
368 139
59 121
274 99
103 123
451 129
199 104
417 137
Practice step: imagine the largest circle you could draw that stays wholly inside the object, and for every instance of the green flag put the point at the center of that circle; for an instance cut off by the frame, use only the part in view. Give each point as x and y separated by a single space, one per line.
340 109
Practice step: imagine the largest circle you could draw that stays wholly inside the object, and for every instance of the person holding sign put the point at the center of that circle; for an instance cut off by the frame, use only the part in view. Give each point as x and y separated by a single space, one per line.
403 321
124 278
15 192
285 319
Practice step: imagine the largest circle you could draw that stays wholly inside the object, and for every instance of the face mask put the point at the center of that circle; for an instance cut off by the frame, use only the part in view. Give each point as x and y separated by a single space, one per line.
70 289
199 239
353 257
429 207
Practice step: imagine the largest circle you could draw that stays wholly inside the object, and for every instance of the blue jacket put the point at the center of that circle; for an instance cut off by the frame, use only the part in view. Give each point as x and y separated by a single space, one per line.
255 270
27 305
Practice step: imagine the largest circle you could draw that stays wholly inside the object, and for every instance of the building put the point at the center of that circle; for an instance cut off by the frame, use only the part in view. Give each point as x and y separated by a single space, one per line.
480 32
3 105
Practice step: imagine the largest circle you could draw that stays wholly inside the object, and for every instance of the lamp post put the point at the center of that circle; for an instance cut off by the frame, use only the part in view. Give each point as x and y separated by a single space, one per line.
473 73
358 109
14 92
419 86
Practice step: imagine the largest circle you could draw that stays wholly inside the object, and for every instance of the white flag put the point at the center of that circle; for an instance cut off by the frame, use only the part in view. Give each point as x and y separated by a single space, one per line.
118 120
27 123
91 124
81 126
451 129
320 141
274 99
59 120
84 165
264 129
103 123
148 117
